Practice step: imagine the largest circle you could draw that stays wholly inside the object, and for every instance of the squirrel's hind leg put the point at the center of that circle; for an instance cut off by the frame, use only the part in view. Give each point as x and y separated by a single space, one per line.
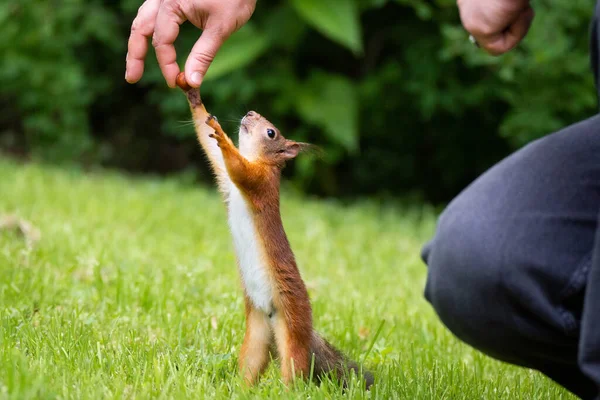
255 353
293 349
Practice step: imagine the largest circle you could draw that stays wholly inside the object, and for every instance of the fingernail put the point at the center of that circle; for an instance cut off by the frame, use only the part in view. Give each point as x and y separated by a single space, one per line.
196 78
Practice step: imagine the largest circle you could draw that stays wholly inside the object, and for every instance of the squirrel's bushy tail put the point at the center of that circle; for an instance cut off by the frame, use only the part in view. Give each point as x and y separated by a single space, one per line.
330 361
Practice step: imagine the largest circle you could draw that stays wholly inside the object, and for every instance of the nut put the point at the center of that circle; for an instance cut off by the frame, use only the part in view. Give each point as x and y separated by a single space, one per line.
182 83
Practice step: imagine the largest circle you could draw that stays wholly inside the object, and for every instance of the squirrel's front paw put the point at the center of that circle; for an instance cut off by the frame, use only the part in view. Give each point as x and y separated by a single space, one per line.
218 133
217 137
213 122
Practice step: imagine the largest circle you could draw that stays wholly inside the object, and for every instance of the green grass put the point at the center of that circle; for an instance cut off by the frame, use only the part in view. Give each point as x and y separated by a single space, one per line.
132 292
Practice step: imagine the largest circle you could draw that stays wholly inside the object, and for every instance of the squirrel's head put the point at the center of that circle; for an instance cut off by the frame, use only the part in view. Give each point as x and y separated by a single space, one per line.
260 139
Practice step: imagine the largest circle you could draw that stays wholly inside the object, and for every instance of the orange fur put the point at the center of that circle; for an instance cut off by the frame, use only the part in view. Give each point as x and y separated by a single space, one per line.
293 349
254 354
260 185
288 324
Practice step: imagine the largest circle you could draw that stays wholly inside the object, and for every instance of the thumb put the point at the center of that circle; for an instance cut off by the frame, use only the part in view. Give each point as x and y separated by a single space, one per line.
201 56
517 31
511 37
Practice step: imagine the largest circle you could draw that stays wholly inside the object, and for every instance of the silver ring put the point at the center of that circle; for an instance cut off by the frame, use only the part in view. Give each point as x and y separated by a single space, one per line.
473 40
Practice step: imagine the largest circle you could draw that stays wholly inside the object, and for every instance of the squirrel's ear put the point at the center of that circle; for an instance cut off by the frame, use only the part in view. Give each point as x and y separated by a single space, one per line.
291 149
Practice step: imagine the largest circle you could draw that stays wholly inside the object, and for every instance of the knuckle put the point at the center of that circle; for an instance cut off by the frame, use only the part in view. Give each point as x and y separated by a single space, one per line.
142 19
485 30
155 41
203 57
247 12
222 30
477 28
136 25
471 27
170 6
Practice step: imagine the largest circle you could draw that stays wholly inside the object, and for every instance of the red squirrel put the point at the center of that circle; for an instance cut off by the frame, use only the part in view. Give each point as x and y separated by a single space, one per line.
277 305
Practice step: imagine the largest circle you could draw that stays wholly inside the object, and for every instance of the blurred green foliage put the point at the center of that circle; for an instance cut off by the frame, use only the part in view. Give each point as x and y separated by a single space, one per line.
392 90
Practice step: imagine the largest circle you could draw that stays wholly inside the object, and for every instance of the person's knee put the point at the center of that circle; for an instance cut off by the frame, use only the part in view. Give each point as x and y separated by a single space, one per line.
468 291
463 281
491 245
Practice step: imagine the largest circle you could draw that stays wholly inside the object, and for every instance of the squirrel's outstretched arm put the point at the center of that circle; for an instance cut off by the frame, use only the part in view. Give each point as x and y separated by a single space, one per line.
244 174
210 147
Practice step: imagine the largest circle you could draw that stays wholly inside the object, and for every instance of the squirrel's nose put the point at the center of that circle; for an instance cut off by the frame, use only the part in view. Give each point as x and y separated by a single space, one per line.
250 114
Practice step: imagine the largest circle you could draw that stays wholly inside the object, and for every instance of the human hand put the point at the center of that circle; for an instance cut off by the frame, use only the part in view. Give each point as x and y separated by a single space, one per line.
497 25
160 19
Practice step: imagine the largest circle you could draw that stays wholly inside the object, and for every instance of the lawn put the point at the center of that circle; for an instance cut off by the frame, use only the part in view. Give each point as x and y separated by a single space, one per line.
131 291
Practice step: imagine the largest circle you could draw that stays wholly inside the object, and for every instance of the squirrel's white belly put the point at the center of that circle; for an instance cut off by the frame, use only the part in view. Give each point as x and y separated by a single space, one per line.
249 252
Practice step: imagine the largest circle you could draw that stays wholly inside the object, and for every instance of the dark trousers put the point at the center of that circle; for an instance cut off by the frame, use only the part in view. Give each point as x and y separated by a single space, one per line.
514 266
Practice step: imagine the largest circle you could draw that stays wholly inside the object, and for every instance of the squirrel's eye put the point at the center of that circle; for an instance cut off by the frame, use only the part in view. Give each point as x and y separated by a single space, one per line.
271 133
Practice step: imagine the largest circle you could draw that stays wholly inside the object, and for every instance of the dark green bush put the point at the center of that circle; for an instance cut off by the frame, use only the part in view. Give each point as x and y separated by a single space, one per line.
392 90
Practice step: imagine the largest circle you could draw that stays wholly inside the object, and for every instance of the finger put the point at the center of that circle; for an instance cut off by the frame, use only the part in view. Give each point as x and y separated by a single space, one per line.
137 46
202 55
519 29
511 37
167 28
